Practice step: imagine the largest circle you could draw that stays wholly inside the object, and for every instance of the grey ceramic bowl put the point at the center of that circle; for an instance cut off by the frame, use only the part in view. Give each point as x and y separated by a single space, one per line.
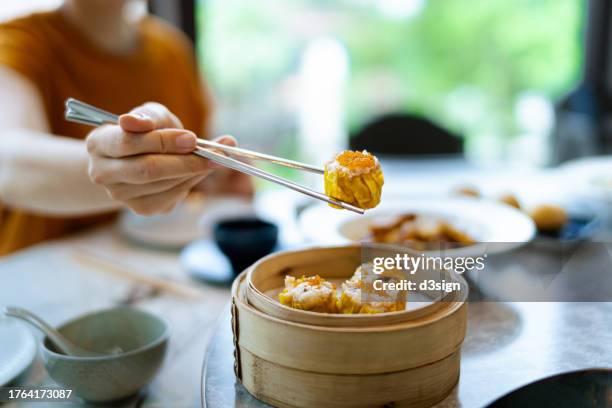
142 336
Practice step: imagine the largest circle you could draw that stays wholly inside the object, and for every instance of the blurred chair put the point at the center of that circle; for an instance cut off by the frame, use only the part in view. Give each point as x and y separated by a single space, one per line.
406 135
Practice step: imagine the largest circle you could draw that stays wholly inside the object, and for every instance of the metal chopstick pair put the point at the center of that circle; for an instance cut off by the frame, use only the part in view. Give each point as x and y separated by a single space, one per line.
81 112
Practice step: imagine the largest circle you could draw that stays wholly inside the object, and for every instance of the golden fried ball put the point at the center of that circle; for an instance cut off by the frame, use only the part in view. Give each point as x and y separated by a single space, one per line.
549 217
511 200
467 191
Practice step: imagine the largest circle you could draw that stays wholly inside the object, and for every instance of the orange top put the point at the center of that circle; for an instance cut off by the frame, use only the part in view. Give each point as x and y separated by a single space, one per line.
311 280
356 160
61 62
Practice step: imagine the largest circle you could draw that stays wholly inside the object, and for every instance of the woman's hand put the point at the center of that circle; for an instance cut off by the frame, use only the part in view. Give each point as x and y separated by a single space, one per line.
145 161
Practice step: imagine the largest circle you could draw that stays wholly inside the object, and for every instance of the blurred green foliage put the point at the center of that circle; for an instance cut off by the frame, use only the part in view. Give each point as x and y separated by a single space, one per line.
463 63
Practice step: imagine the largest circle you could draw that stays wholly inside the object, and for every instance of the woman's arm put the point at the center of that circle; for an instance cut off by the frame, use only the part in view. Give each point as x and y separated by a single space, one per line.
143 162
39 171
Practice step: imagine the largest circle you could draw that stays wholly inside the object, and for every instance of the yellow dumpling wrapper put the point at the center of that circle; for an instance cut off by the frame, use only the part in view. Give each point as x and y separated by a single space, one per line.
355 178
353 300
311 293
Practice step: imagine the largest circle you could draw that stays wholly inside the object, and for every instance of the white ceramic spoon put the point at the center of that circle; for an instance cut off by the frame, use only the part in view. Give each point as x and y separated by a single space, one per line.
62 343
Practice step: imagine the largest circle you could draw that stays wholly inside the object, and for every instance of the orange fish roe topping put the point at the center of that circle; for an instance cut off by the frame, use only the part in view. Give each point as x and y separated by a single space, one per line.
312 280
356 160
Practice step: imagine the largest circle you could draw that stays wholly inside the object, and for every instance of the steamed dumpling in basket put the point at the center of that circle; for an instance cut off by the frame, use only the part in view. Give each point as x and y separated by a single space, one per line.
311 293
359 297
355 178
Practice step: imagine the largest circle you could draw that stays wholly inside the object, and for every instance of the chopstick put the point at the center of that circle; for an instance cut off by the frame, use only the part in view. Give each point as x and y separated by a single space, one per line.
104 264
261 156
81 112
84 113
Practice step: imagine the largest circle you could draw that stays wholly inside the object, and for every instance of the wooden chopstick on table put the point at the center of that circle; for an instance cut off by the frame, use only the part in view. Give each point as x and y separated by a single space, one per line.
104 264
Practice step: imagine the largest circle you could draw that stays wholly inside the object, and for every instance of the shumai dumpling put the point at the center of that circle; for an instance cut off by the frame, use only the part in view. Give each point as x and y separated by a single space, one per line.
355 178
311 293
353 300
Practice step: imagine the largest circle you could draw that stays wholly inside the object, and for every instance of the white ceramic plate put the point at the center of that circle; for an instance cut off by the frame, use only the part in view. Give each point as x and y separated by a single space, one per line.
188 222
591 177
497 227
17 350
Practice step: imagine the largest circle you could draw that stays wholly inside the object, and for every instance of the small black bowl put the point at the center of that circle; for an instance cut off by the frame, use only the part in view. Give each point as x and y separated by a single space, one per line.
245 240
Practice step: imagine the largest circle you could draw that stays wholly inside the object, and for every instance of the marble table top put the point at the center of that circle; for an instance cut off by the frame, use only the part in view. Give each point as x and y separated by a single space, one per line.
509 343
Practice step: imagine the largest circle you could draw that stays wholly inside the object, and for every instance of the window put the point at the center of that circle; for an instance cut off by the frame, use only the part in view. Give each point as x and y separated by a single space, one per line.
301 75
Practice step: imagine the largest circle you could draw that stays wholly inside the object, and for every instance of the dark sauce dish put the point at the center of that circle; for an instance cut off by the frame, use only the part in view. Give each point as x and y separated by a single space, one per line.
245 240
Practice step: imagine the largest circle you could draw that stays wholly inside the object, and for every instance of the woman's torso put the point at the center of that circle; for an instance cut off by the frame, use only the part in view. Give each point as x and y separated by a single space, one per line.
61 62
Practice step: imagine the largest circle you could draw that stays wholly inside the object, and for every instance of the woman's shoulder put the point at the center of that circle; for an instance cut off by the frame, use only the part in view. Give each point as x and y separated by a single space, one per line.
32 23
24 43
29 28
32 34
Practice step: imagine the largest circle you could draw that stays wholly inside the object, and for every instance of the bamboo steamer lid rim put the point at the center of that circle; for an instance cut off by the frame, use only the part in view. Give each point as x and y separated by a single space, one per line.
239 300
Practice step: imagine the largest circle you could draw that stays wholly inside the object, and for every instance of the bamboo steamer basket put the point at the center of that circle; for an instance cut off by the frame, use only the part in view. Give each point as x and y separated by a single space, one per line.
411 361
335 263
286 387
423 335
